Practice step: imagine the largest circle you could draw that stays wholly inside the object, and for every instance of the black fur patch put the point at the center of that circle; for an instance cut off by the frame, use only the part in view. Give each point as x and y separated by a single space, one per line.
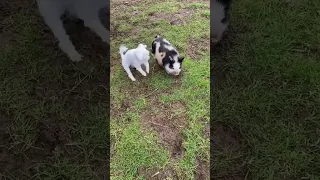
125 51
169 53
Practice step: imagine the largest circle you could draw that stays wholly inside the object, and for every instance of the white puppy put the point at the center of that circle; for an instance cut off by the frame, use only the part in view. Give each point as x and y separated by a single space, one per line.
87 10
135 58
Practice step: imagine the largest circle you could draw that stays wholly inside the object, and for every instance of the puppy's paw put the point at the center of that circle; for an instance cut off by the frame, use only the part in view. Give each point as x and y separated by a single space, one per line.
132 78
143 73
75 57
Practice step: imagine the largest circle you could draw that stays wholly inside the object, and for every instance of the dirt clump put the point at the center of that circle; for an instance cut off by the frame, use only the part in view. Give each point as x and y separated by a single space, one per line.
227 140
168 125
202 170
179 18
195 46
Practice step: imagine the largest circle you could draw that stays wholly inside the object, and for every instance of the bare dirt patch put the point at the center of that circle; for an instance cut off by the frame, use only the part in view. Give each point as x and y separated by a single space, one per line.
197 1
23 163
179 18
227 140
9 7
195 46
154 174
202 170
168 125
207 130
116 3
226 137
127 105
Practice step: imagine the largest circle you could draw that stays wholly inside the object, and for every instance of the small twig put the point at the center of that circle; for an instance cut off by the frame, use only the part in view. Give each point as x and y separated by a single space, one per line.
299 50
158 124
8 22
72 144
151 93
246 177
155 174
75 86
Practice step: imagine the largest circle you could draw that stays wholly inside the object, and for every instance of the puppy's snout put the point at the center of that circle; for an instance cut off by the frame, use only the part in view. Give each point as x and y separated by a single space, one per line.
175 73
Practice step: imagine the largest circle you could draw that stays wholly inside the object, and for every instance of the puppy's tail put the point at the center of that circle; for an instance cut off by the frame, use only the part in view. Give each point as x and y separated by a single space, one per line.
123 50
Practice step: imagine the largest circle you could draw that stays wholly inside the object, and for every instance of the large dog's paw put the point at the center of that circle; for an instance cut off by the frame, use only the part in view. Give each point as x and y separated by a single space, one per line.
106 39
75 57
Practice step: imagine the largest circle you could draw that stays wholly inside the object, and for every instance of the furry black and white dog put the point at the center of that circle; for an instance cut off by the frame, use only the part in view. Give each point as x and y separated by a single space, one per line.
219 12
167 56
87 10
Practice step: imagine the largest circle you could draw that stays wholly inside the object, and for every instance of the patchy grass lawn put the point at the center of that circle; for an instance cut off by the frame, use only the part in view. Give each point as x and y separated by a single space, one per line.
54 113
266 116
160 124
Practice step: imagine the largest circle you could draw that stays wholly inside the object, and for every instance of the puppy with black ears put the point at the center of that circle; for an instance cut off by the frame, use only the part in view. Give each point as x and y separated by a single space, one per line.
167 56
135 58
219 19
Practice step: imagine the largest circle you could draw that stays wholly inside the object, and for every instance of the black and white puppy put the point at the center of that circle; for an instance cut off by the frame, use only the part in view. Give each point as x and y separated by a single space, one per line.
87 10
219 12
167 56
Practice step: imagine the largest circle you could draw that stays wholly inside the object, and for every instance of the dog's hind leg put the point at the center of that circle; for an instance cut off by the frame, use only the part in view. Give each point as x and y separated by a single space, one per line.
141 71
147 67
127 69
51 13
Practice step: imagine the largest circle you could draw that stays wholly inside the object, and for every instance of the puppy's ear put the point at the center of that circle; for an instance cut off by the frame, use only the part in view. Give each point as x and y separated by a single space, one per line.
180 60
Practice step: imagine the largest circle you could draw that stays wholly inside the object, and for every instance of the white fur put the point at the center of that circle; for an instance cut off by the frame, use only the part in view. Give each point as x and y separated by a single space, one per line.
169 47
176 67
87 10
135 58
166 41
217 28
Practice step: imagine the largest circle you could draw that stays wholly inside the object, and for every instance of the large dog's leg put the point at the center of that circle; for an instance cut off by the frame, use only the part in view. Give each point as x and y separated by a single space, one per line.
91 20
51 14
99 29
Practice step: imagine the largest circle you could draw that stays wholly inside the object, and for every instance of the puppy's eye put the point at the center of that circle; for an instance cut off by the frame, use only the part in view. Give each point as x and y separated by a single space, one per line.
171 66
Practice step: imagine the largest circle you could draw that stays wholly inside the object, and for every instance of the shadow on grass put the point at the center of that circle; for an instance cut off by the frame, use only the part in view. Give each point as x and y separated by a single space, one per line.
54 113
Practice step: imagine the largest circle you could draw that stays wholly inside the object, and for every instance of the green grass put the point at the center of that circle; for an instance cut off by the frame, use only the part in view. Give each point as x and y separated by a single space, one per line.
53 112
197 5
153 93
137 149
268 90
